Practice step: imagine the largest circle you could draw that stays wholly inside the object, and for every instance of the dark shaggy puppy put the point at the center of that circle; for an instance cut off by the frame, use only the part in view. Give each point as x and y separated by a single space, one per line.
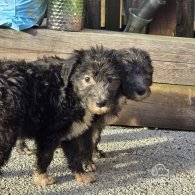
53 101
136 75
136 81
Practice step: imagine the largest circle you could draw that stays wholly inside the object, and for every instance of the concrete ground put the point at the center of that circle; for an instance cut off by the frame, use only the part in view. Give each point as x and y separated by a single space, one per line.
139 162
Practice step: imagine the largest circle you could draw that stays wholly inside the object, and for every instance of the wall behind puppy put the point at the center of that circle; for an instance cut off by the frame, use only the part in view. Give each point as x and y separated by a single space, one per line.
172 103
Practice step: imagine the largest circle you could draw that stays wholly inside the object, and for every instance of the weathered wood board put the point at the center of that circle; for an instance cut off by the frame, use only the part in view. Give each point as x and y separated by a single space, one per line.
172 104
113 14
93 14
174 19
169 106
173 57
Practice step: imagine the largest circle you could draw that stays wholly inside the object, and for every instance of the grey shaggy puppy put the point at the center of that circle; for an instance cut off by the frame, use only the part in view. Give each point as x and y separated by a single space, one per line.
54 101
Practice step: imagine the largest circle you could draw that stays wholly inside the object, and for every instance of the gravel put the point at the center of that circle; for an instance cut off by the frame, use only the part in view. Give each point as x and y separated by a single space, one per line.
139 161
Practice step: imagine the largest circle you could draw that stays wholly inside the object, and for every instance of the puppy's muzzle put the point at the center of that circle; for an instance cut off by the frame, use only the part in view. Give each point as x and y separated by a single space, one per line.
99 107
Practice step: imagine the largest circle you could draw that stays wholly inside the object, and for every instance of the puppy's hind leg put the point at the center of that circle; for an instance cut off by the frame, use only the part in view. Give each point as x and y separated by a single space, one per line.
44 156
7 142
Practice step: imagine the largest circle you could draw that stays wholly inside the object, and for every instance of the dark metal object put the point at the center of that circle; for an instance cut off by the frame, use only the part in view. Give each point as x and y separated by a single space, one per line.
138 18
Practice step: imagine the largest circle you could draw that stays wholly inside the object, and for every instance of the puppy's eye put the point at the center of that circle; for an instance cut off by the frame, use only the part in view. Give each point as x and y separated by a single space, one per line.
87 79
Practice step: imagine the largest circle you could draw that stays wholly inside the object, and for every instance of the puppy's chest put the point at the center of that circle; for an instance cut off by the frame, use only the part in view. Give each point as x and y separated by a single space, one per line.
79 127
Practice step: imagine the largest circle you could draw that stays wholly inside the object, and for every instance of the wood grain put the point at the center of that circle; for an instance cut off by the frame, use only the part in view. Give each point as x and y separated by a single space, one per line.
93 14
103 13
185 18
113 15
173 57
169 106
174 19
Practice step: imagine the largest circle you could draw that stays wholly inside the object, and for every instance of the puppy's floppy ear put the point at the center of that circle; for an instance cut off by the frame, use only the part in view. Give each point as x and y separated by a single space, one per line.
70 65
125 64
79 55
124 57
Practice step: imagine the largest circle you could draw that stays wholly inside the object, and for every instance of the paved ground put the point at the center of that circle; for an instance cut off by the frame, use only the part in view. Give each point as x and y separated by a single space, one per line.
140 161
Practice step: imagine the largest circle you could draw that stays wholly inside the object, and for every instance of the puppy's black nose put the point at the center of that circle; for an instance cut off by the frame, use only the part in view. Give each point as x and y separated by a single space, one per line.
141 91
101 103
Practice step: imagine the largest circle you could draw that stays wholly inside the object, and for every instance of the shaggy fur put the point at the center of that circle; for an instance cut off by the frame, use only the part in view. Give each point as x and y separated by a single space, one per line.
136 81
53 101
136 75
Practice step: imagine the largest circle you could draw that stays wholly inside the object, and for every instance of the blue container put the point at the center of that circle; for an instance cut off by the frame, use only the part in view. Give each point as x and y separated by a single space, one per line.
22 14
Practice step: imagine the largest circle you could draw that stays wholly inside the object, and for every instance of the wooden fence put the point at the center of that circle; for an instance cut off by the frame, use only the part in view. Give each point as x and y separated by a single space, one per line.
174 19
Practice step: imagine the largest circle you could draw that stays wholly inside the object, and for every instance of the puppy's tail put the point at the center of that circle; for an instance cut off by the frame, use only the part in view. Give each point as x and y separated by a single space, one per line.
7 142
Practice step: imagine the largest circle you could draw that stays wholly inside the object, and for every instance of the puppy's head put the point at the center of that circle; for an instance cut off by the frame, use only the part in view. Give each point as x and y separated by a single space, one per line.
96 79
138 71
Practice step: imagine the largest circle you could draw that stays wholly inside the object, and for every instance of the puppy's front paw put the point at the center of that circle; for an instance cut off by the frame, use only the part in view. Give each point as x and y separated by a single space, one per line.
85 177
43 179
89 166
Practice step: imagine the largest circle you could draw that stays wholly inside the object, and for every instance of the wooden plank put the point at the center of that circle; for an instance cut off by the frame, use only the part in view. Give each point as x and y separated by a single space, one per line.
194 18
194 25
185 18
169 106
173 57
103 13
164 21
113 15
174 19
93 14
121 13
